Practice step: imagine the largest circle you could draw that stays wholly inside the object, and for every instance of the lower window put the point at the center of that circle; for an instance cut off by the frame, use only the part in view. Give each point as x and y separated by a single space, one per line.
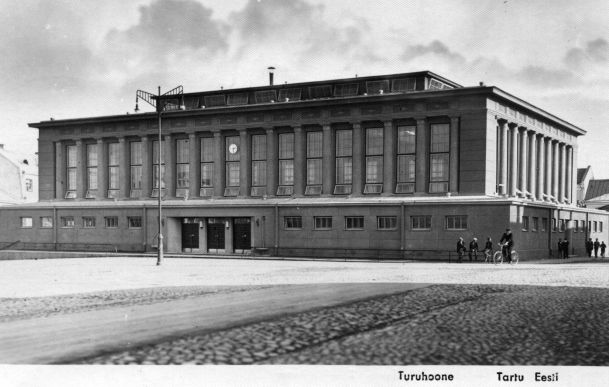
323 222
354 222
135 221
292 222
456 222
386 222
111 221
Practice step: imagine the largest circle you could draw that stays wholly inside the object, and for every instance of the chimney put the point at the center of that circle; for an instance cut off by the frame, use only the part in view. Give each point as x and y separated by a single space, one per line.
271 74
481 84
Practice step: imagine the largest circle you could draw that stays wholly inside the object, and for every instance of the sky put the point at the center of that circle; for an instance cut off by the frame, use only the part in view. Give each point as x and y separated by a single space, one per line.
81 58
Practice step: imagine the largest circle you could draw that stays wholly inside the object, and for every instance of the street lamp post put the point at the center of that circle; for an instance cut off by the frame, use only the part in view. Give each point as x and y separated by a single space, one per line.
157 102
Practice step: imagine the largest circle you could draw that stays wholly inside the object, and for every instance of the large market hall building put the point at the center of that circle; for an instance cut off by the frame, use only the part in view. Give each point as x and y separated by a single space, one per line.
391 166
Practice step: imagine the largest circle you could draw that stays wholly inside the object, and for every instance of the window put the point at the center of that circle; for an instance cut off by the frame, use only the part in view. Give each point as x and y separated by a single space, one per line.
26 222
594 226
88 221
323 222
91 166
111 221
314 158
456 222
535 225
71 167
600 226
182 163
374 155
259 160
136 158
344 152
525 223
354 222
544 224
562 225
207 161
407 137
134 221
554 225
420 222
29 185
286 159
439 158
113 165
386 222
67 221
589 225
292 222
155 164
233 155
576 226
46 222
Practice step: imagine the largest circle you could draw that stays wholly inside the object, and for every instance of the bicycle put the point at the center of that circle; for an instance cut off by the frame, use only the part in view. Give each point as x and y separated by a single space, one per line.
498 256
488 256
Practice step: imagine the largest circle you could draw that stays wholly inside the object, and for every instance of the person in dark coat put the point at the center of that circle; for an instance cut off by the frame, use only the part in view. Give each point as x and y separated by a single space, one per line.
460 249
589 247
596 246
508 240
488 248
565 249
560 248
603 247
473 249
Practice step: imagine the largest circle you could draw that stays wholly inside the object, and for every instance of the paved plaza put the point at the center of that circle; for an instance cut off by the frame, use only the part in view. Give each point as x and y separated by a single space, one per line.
125 310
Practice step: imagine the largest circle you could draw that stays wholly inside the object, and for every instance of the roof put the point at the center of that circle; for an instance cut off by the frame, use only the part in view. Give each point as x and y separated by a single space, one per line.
582 173
597 188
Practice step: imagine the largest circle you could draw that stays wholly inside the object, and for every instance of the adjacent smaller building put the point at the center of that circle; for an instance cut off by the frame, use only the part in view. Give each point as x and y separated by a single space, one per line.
19 177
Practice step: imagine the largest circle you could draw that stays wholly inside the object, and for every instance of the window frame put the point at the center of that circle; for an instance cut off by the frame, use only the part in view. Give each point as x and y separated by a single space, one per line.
285 158
455 226
111 222
439 154
344 156
355 227
292 222
375 137
207 161
25 224
133 225
67 221
425 218
182 177
136 163
392 225
86 222
407 152
318 222
44 219
315 158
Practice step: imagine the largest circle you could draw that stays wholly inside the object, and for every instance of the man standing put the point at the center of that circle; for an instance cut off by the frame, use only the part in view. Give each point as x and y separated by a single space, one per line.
596 246
508 242
565 247
460 249
589 247
473 249
560 248
603 247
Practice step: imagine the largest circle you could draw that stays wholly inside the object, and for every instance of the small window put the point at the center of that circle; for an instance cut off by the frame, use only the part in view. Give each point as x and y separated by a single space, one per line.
544 224
554 225
323 222
420 222
135 221
67 221
88 221
600 226
111 221
354 222
595 229
29 185
456 222
525 223
386 222
563 225
292 222
26 222
46 222
535 225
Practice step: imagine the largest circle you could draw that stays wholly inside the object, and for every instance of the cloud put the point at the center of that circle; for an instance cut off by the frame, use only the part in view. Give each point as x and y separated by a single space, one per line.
596 52
435 48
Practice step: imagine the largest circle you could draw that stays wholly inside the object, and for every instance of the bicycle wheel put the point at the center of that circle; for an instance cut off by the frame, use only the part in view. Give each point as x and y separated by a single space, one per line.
498 257
515 257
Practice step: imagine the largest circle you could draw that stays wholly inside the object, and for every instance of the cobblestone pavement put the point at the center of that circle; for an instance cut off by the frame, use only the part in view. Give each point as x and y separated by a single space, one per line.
441 324
30 307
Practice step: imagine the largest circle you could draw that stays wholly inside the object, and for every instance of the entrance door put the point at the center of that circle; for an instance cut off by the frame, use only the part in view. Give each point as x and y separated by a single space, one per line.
242 233
190 235
215 234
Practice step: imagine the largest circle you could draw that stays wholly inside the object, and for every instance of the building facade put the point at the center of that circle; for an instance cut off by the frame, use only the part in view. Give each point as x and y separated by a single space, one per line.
393 166
19 177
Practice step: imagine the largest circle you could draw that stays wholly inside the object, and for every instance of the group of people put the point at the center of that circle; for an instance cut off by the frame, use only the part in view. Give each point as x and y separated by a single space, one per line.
507 242
563 248
595 246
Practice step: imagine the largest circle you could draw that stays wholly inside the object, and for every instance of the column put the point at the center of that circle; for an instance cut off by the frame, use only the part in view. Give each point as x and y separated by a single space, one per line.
170 164
218 165
328 161
146 167
81 177
194 165
513 159
569 179
555 170
422 157
389 158
523 161
272 162
245 168
541 168
299 161
503 179
102 169
358 160
60 170
562 172
532 165
453 184
124 183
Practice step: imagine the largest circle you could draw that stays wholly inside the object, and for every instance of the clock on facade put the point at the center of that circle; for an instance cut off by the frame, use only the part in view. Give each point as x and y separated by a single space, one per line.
233 148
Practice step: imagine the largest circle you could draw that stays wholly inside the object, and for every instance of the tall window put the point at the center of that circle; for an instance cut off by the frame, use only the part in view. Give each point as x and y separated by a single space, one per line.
207 162
71 167
155 164
344 153
113 166
136 164
439 158
233 152
182 163
91 166
374 155
406 163
286 159
314 158
259 160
